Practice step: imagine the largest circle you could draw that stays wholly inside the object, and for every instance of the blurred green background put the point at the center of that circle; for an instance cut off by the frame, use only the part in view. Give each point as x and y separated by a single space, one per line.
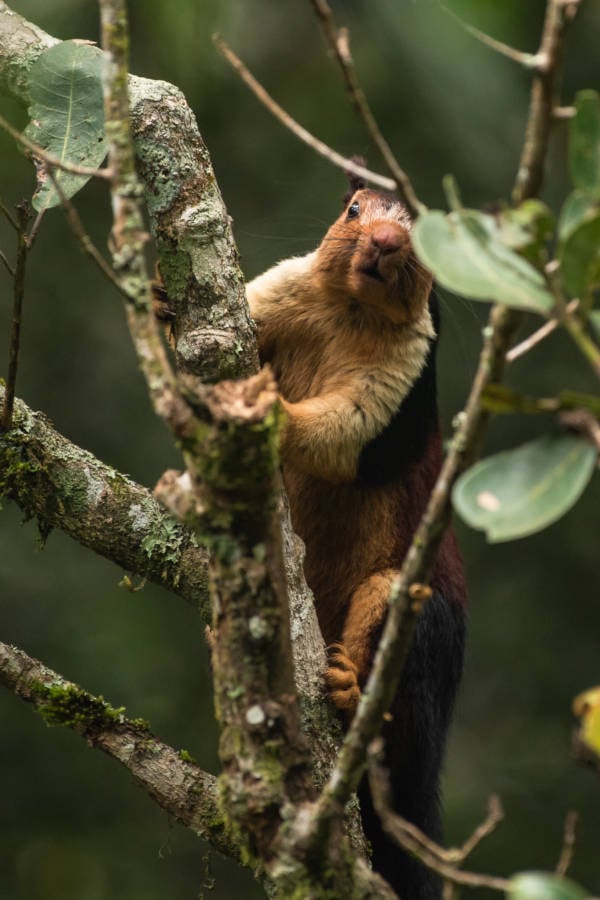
72 824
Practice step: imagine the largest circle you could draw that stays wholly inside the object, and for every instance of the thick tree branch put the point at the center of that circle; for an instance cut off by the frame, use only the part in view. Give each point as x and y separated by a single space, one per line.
188 219
66 487
182 789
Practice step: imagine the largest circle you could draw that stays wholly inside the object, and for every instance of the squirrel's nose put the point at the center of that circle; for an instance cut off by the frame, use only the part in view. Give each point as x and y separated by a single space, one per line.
387 237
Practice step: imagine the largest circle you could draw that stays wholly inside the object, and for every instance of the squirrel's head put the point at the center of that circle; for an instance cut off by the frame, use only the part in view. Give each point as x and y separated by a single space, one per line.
367 256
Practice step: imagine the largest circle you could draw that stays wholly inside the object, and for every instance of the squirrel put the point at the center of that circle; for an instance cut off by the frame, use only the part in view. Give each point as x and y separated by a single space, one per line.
350 333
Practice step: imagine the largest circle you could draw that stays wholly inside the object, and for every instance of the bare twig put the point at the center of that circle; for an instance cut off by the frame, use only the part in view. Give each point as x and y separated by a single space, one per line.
417 844
258 90
568 847
339 41
537 336
578 332
563 112
571 320
584 422
9 216
24 215
83 237
527 60
7 265
544 99
495 815
49 159
33 232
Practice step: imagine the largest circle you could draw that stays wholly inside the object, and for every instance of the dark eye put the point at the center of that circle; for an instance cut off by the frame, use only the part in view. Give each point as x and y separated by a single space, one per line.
353 210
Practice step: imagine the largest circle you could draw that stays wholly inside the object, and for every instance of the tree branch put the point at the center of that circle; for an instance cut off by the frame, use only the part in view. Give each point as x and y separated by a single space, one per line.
544 99
66 487
188 219
178 786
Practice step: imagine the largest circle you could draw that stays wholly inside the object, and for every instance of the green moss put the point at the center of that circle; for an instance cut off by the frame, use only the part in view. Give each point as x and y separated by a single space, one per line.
165 538
186 756
69 705
15 466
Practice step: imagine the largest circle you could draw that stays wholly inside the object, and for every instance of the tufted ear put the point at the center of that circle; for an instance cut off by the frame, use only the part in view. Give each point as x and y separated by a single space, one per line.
356 183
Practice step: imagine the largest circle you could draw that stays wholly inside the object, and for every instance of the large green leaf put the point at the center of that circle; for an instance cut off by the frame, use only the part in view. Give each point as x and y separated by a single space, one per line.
521 491
67 115
543 886
584 142
595 320
466 254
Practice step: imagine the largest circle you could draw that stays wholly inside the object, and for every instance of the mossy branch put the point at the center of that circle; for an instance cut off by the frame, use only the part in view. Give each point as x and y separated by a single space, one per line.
185 791
188 219
63 486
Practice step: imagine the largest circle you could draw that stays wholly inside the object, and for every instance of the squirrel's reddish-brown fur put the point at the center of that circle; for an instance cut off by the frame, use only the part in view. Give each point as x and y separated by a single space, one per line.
349 333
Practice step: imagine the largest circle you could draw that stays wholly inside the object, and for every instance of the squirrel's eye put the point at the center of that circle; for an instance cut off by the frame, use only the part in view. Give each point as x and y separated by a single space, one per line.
353 210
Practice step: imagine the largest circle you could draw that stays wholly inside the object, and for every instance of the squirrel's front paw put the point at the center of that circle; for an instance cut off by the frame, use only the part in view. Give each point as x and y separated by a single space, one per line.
341 678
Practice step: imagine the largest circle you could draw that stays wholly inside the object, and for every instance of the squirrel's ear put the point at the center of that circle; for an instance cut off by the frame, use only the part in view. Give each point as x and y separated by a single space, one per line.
356 183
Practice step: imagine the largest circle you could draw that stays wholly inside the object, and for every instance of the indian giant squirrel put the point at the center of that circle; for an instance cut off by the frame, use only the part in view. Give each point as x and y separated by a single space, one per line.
350 333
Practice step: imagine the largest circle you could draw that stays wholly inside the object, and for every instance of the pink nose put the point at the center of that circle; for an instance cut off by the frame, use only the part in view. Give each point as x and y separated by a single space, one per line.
387 237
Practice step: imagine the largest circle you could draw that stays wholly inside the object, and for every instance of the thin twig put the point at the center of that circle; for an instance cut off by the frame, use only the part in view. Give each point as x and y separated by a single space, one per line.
543 100
9 216
417 844
495 814
563 112
568 846
339 41
588 347
49 159
24 214
33 233
571 320
6 263
537 336
527 60
258 90
83 237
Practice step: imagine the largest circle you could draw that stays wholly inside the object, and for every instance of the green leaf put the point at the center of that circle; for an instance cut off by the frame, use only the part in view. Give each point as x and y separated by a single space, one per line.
579 256
466 254
578 207
518 492
526 228
584 142
67 115
543 886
